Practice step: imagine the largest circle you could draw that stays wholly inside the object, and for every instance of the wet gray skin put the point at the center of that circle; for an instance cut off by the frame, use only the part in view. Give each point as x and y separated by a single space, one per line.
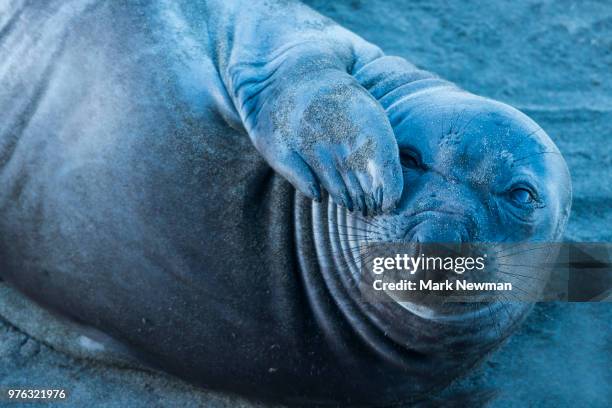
192 178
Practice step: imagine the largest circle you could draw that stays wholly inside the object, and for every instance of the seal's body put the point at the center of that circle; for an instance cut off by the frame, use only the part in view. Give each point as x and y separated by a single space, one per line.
121 188
133 201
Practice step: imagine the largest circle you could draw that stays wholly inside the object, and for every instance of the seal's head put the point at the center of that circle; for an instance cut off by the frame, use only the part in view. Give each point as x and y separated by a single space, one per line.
475 171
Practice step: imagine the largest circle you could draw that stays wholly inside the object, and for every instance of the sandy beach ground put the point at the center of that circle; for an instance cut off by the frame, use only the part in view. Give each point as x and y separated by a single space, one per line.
551 59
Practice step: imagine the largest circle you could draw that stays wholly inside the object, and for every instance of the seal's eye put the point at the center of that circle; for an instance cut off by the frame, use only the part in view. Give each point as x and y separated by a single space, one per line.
522 195
409 159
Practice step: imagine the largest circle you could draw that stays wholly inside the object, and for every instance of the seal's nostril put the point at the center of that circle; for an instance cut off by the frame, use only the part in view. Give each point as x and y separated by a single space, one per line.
439 233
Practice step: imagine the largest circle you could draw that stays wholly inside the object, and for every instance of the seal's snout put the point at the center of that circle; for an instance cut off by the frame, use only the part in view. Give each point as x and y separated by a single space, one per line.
440 231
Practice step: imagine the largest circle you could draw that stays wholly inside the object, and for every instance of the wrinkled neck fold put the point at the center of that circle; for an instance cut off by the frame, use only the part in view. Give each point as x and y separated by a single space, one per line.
393 81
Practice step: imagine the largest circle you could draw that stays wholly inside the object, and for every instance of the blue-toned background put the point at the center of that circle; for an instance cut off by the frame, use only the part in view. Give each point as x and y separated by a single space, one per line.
551 59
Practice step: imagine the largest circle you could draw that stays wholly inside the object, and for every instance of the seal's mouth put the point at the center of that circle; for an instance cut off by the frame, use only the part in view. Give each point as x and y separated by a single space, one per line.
344 240
338 236
417 226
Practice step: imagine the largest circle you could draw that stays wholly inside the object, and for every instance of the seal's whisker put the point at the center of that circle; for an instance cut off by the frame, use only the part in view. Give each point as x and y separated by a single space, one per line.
352 239
344 262
363 259
494 320
371 223
526 250
374 224
355 233
460 116
517 275
523 290
499 246
508 296
535 154
453 119
505 249
475 319
526 138
467 124
349 229
505 301
353 229
349 250
536 267
351 234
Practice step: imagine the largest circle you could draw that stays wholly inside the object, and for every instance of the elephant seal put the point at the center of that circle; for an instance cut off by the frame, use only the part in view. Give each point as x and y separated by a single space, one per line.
144 156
